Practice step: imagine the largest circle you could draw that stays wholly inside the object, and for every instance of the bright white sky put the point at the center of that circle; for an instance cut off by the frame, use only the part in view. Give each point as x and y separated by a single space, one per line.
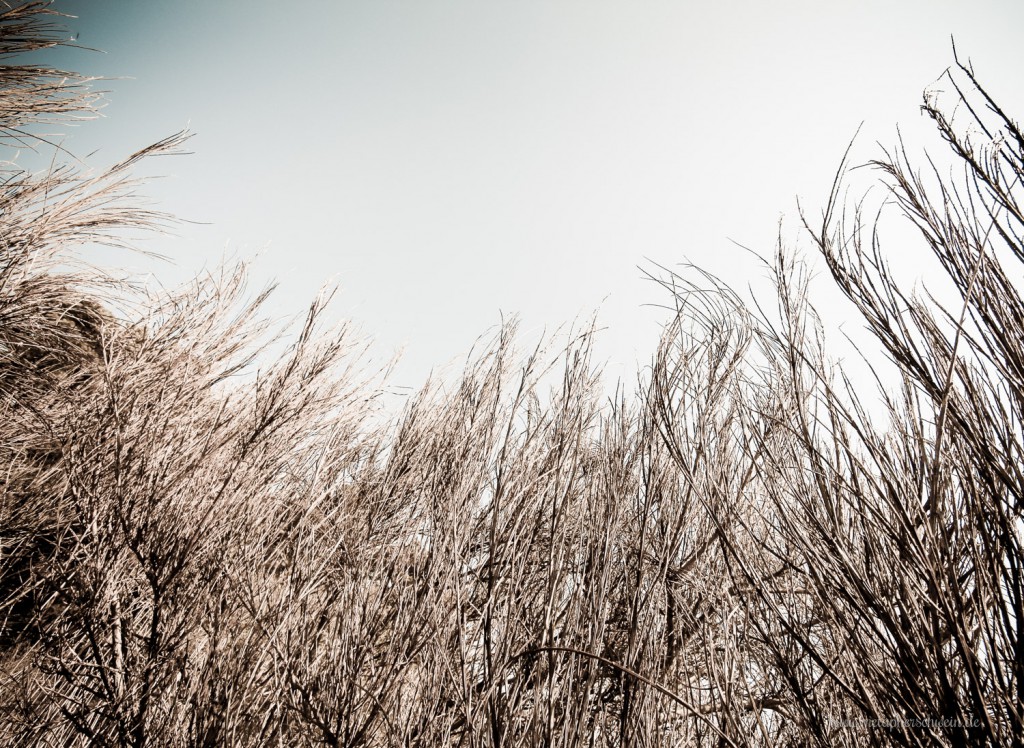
445 161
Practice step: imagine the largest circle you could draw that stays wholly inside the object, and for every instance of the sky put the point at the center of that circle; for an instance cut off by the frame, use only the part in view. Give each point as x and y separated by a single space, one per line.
448 162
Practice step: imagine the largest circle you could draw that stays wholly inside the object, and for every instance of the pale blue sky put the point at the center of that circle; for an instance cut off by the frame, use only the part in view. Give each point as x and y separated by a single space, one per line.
448 160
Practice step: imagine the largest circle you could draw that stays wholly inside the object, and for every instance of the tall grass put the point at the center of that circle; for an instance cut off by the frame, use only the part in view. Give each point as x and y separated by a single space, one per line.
740 552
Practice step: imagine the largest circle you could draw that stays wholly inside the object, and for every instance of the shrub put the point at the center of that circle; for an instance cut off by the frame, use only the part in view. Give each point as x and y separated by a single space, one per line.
741 552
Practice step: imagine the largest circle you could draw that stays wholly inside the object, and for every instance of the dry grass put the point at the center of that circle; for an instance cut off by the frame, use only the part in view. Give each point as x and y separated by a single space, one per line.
735 554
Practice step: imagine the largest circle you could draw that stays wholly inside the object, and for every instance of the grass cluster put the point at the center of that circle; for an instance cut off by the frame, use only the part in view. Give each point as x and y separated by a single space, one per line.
740 552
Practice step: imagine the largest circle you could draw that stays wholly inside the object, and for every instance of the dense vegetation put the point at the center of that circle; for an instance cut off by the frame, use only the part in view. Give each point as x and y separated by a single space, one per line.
738 553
